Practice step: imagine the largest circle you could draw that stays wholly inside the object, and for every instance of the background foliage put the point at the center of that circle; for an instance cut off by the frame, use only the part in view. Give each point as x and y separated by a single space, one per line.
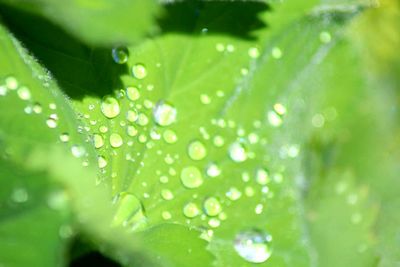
147 133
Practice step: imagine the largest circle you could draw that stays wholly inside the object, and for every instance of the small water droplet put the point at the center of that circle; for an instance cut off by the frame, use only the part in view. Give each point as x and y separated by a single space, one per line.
170 136
325 37
253 245
110 107
142 119
197 150
276 53
254 52
64 137
214 222
78 151
116 140
51 123
262 176
205 99
274 119
213 170
132 93
19 195
101 162
191 210
98 140
24 93
139 71
238 152
233 194
129 211
218 141
11 83
131 130
120 54
132 115
166 215
3 90
167 194
164 113
212 206
191 177
37 108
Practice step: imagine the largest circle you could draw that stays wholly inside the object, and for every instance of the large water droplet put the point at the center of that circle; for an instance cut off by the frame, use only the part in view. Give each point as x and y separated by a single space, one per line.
116 140
212 206
139 71
191 177
253 245
164 113
238 152
110 107
262 176
98 140
120 54
197 150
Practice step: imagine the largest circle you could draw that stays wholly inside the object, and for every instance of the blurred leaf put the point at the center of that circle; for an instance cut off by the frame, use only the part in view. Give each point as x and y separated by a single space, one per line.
97 22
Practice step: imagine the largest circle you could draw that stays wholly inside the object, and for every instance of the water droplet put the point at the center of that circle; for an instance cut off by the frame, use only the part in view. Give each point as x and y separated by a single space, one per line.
57 200
110 107
64 137
214 222
262 176
166 215
51 123
233 194
205 99
191 210
253 246
132 115
19 195
212 206
24 93
116 140
318 120
259 208
164 113
197 150
139 71
132 93
37 108
280 109
191 177
3 90
78 151
218 141
167 194
11 83
101 162
163 179
170 136
254 52
325 37
213 170
142 119
120 54
276 53
238 152
220 47
274 119
131 130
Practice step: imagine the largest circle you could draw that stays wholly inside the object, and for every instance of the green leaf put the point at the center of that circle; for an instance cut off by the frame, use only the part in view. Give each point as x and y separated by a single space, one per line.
96 22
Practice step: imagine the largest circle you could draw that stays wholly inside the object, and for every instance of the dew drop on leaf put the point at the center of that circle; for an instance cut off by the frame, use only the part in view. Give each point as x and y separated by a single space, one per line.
164 113
197 150
167 194
64 137
191 210
238 152
51 123
213 170
262 176
139 71
132 93
212 206
110 107
191 177
19 195
11 83
78 151
116 140
253 245
101 162
24 93
120 54
98 140
170 136
129 211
